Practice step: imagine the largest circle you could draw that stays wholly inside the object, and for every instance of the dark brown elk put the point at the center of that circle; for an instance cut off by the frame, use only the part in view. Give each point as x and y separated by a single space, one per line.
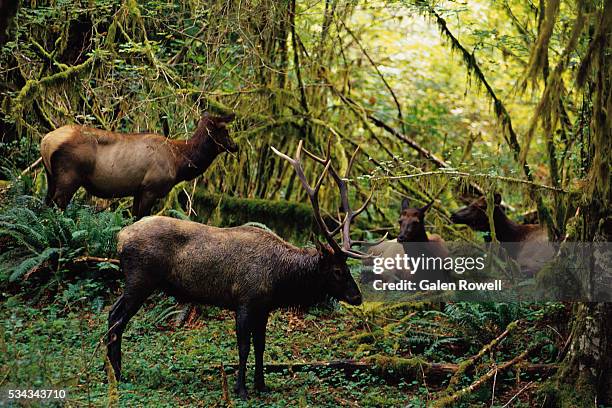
246 269
143 165
506 230
412 226
527 243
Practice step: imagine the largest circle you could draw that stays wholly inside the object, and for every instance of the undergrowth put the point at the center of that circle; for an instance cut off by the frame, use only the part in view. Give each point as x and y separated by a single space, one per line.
53 323
38 241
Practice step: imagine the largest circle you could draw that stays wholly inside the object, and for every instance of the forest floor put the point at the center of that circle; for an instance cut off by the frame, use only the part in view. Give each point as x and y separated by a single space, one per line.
58 343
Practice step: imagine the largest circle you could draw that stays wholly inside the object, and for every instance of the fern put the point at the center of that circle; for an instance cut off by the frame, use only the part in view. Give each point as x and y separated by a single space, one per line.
30 263
484 320
33 234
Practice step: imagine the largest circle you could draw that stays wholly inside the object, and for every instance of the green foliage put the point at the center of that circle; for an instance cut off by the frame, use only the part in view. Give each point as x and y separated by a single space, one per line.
292 74
288 219
35 236
483 321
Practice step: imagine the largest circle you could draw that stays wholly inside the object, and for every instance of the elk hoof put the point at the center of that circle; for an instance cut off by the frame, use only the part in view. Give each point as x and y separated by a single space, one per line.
242 394
262 388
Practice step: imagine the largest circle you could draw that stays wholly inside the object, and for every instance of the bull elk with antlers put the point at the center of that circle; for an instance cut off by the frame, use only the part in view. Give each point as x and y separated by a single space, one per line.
246 269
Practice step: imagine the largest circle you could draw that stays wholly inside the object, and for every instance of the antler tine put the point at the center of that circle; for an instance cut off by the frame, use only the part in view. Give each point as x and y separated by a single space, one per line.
357 254
364 206
349 214
378 241
317 158
351 161
312 192
322 177
283 155
314 156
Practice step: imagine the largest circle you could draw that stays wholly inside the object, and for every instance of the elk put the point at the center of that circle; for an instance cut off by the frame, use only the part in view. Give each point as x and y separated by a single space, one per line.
527 243
412 226
143 165
412 238
506 230
245 269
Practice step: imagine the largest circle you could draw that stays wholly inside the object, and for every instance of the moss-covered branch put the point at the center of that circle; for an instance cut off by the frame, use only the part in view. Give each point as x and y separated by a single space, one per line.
33 86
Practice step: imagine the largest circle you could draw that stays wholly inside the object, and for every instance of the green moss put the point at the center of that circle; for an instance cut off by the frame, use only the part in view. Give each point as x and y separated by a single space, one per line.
399 365
286 218
557 279
580 394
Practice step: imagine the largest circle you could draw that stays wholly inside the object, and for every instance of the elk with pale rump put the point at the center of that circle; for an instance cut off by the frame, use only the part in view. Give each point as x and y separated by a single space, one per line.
143 165
245 269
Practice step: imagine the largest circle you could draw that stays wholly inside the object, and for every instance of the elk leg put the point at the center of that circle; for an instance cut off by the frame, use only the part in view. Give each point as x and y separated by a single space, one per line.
143 202
243 334
65 186
259 345
50 187
120 314
113 345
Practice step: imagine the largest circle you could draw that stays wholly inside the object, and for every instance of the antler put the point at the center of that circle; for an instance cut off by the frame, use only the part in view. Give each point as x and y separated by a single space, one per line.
345 223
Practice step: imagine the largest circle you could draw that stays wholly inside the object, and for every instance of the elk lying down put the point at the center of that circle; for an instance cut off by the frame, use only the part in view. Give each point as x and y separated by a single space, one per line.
245 269
527 243
143 165
412 240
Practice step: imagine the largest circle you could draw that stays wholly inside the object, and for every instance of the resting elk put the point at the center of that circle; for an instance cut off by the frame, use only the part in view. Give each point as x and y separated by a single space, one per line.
143 165
412 240
527 243
245 269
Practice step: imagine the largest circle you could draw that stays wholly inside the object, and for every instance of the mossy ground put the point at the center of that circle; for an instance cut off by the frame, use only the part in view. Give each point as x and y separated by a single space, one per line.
59 345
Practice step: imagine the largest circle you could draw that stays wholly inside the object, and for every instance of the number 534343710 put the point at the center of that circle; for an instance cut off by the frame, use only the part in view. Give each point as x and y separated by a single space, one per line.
36 394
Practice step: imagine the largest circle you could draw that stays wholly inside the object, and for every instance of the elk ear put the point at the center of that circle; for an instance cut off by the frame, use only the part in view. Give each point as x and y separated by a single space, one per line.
423 210
228 118
222 121
497 198
405 204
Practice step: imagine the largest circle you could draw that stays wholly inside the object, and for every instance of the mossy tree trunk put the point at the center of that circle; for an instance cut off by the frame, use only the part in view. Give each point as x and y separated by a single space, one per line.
585 376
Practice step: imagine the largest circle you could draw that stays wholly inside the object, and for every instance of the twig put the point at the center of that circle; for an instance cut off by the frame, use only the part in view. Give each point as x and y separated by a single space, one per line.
517 394
465 174
23 173
450 400
380 74
226 396
467 364
31 166
83 259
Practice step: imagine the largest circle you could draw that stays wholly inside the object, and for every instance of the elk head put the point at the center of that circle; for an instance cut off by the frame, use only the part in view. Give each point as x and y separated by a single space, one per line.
475 214
339 281
216 127
412 223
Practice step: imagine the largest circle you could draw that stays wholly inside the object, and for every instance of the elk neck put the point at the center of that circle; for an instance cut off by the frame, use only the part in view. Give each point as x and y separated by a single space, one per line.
196 154
298 278
507 230
420 236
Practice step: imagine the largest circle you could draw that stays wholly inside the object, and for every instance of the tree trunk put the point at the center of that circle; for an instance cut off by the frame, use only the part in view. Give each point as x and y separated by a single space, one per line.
585 375
584 378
